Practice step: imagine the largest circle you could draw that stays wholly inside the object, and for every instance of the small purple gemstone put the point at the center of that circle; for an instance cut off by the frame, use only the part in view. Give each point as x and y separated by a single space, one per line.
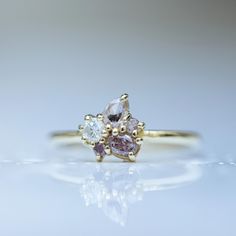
99 149
123 144
132 124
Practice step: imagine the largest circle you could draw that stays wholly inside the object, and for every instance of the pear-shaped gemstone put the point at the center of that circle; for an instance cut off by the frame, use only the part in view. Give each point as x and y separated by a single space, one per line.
115 111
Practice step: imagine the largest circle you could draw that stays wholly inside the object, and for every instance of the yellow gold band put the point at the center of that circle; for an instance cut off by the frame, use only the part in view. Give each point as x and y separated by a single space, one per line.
152 136
116 132
146 133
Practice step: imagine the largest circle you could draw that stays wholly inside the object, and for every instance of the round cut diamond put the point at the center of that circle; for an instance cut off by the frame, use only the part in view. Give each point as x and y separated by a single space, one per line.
92 131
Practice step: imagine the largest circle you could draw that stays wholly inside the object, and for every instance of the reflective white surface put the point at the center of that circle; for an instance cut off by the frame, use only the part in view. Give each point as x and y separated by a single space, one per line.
63 195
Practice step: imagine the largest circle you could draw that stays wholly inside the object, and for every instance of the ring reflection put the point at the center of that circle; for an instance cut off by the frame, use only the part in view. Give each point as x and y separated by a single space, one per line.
112 187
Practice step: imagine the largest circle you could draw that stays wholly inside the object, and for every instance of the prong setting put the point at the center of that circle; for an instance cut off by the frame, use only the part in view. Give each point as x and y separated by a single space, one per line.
102 140
84 141
141 126
88 117
108 127
115 131
122 129
81 128
127 117
135 133
99 158
139 141
105 133
100 117
92 144
124 97
132 157
108 150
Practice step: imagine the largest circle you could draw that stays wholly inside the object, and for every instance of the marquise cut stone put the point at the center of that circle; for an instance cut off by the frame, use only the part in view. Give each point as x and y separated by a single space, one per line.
99 149
122 145
115 111
92 131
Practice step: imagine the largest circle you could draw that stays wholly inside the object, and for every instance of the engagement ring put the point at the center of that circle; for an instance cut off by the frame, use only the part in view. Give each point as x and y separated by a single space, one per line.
116 132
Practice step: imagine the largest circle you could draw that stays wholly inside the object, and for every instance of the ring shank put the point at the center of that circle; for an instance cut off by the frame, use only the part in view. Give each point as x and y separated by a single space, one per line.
170 133
149 136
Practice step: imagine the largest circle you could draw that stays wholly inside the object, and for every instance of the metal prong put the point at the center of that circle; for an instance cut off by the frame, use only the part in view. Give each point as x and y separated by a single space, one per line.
141 125
105 133
100 117
127 117
132 157
108 127
81 128
124 97
88 117
84 141
99 158
122 129
115 132
135 133
108 150
92 145
139 141
102 140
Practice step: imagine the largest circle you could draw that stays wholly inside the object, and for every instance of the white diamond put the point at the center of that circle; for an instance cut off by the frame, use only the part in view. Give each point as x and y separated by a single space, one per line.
92 131
115 111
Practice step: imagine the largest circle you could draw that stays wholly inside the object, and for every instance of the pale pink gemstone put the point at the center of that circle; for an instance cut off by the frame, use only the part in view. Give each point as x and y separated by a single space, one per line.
99 149
132 125
115 111
122 145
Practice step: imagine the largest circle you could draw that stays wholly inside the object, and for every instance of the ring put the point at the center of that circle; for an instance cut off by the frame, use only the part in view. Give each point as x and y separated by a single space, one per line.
116 132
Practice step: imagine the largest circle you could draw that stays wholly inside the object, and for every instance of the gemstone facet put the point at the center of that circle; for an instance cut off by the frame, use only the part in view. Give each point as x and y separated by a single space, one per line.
115 111
122 145
132 125
92 131
99 149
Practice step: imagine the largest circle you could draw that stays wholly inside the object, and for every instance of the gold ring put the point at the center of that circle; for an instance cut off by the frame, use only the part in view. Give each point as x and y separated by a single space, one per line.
116 132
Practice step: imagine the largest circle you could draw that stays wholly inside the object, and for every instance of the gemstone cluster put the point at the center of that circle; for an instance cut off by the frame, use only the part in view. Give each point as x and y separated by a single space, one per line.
113 132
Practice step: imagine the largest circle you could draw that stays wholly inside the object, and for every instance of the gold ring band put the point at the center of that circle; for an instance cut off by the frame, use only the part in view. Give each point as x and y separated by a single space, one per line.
150 136
116 132
146 133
